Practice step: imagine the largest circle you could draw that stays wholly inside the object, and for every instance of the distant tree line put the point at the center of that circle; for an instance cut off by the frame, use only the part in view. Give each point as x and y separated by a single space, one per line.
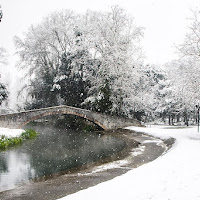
184 74
95 61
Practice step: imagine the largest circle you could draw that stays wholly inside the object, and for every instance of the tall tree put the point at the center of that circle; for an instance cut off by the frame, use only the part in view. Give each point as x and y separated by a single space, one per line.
185 72
154 92
71 82
117 45
185 77
41 55
95 52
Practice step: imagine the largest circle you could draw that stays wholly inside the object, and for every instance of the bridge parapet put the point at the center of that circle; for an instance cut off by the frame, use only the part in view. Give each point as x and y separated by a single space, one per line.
18 120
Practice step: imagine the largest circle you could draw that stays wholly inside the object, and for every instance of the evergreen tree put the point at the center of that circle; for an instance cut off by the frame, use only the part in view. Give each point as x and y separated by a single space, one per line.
71 83
102 102
41 91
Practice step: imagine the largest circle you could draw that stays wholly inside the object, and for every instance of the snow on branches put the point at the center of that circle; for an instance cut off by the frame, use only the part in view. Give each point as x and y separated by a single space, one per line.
92 49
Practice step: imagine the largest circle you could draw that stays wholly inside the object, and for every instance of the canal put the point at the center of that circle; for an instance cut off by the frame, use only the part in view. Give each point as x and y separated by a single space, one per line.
55 151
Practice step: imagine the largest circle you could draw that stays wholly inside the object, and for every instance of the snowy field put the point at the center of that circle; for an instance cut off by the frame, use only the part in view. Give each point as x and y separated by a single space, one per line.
173 176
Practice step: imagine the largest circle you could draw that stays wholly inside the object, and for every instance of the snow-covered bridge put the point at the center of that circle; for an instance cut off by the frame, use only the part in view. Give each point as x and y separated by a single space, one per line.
18 120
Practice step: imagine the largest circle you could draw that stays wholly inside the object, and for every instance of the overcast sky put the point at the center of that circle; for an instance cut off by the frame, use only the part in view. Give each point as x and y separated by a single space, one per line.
165 21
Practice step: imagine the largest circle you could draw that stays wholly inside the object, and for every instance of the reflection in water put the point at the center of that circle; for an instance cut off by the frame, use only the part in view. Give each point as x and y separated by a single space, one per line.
3 164
17 169
54 151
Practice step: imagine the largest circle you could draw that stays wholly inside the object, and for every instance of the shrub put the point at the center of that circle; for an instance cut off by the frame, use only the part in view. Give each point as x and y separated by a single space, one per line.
6 142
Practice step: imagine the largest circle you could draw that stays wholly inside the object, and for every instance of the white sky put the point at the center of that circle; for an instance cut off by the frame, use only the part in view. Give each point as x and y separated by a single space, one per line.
165 21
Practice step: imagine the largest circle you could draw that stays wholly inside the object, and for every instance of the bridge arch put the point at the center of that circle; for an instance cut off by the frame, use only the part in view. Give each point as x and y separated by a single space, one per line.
18 120
65 112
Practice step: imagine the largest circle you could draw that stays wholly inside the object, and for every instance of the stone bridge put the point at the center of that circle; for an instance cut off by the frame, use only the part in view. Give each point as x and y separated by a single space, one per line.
18 120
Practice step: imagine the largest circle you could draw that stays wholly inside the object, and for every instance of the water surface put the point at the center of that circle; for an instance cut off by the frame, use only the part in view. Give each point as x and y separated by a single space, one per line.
54 151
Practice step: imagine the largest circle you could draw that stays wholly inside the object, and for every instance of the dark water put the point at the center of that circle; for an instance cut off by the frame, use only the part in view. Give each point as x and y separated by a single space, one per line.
56 150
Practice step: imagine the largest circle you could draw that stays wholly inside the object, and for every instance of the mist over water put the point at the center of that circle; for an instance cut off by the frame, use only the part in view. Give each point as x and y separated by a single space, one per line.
54 151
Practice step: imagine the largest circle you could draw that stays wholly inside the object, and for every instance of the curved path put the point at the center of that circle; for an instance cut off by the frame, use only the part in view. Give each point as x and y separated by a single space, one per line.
149 149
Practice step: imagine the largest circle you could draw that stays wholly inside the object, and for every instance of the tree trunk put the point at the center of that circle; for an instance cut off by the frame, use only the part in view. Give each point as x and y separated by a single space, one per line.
169 119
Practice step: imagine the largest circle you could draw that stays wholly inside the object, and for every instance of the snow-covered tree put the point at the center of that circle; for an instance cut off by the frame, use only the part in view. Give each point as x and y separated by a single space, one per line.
3 88
111 45
71 84
117 45
190 47
185 72
187 68
185 76
154 93
41 54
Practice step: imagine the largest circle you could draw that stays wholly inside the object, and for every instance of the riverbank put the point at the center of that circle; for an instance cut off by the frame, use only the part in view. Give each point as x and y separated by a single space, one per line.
8 142
149 149
174 176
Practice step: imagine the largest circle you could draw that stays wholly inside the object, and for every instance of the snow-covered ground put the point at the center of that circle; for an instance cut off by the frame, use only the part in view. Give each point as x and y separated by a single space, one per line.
10 132
173 176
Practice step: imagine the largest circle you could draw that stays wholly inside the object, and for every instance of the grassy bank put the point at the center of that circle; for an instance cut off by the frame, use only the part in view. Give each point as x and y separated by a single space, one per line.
6 142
